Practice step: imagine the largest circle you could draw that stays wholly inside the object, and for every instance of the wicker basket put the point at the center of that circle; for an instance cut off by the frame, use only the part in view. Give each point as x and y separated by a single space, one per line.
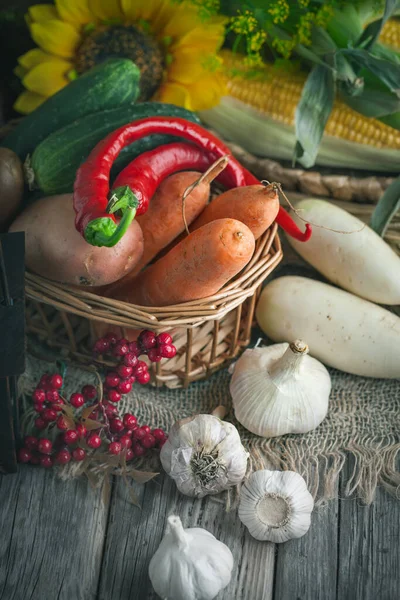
207 333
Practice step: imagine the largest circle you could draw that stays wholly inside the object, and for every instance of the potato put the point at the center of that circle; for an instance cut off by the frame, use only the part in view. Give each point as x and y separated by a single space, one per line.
54 249
11 186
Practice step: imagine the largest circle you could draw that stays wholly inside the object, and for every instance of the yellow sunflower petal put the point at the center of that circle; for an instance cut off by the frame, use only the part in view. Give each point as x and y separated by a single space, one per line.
48 77
20 71
156 12
174 94
56 37
33 57
106 9
201 37
181 22
187 66
42 12
76 12
205 93
28 101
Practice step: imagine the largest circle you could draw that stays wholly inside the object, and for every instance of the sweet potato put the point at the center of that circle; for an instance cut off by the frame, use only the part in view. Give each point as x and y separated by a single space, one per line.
54 249
254 205
197 267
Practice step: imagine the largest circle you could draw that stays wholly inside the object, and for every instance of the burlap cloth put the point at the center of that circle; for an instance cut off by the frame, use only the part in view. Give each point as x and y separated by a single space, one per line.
363 422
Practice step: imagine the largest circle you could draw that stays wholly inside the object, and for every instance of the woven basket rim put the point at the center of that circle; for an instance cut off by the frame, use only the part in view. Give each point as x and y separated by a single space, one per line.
82 302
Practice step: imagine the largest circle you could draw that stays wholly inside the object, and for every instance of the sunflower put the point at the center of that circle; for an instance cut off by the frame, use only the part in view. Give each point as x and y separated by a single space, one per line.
175 49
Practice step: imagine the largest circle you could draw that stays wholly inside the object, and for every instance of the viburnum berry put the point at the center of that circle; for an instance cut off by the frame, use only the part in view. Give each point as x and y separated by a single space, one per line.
124 371
111 338
161 443
129 454
94 441
154 355
31 442
143 378
124 387
63 457
24 455
102 345
141 367
78 454
89 392
39 406
49 415
46 461
112 379
81 430
163 338
71 436
39 395
130 360
61 423
147 339
113 395
125 441
44 382
139 434
45 446
135 349
158 434
110 409
35 459
167 350
116 425
148 441
77 400
131 379
120 349
146 428
40 423
130 421
138 450
52 396
56 381
59 406
115 448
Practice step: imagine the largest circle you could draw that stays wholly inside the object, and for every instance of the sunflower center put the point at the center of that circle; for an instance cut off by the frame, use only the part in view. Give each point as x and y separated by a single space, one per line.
273 510
124 42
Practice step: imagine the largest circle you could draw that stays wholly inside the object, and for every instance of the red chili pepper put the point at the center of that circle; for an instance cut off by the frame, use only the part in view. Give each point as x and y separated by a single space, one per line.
145 173
94 218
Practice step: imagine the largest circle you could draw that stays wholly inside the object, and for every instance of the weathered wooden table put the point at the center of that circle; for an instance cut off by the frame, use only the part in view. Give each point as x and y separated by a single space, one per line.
60 541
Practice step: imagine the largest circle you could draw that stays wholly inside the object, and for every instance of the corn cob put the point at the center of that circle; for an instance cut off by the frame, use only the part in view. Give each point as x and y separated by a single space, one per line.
390 34
259 114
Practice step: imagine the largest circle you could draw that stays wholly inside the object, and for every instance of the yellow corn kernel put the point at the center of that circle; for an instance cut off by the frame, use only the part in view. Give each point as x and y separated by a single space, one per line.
390 34
277 93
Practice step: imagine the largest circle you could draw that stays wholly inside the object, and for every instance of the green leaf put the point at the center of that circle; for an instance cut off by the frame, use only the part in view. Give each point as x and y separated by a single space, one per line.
312 113
373 30
386 208
372 103
387 71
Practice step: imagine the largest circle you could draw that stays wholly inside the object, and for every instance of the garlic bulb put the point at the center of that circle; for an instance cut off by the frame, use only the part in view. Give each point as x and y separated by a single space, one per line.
204 455
279 389
190 564
276 505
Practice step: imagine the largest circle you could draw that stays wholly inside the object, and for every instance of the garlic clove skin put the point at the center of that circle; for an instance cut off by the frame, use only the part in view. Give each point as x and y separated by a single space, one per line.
204 455
279 389
190 564
276 506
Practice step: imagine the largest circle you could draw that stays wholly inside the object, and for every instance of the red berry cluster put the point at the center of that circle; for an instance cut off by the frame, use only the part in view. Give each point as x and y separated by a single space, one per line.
130 369
107 429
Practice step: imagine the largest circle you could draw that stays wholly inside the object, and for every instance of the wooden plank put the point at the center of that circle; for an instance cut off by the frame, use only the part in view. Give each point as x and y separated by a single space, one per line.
306 567
8 457
369 559
52 535
134 535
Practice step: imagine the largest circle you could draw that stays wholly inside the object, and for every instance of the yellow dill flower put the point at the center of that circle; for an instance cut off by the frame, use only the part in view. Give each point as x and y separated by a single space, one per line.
244 23
75 34
324 15
279 11
303 34
284 47
256 41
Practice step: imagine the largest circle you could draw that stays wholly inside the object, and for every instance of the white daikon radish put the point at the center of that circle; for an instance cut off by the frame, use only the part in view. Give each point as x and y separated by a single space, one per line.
342 330
361 262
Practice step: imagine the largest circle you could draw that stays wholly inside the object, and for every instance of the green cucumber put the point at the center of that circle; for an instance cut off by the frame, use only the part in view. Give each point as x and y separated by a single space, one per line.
113 83
56 160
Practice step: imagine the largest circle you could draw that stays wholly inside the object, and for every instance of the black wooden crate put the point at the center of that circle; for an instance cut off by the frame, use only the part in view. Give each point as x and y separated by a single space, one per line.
12 343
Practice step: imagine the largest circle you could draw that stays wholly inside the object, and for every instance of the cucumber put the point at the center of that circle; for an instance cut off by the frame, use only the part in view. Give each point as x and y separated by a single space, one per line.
113 83
56 160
